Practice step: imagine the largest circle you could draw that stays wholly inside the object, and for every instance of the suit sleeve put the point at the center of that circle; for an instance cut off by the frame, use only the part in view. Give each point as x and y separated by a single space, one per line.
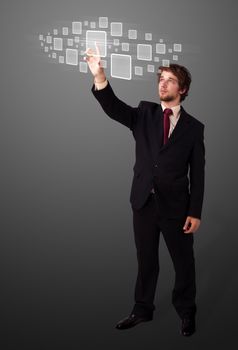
115 108
197 175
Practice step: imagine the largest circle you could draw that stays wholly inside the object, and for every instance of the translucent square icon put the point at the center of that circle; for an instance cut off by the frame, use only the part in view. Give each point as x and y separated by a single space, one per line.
160 48
121 66
150 68
100 37
70 42
83 67
125 46
77 27
58 44
103 63
61 59
40 37
132 34
53 55
65 30
92 25
177 47
55 31
138 70
103 22
116 28
49 39
165 63
72 57
148 36
144 52
175 57
116 42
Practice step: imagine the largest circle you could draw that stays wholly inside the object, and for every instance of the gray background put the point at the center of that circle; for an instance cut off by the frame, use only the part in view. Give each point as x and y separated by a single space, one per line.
68 260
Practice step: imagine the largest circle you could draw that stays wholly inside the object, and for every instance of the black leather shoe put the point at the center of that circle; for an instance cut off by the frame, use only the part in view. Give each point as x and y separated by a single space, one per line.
132 321
188 326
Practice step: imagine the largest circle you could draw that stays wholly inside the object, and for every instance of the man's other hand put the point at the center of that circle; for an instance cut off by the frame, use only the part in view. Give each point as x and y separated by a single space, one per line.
191 224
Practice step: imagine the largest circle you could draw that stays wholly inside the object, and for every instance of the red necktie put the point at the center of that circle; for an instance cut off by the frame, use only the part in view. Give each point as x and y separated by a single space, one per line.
167 113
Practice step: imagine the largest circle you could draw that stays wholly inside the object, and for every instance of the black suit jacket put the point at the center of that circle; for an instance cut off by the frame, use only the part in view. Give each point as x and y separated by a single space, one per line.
176 170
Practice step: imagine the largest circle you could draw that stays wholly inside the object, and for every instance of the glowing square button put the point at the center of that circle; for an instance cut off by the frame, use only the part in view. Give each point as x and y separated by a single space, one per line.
72 57
100 37
121 66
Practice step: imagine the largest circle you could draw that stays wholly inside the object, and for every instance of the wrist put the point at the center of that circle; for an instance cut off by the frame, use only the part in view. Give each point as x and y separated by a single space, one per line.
100 78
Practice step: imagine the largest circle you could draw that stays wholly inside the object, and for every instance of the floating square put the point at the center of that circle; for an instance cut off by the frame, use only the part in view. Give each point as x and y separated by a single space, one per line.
116 29
132 34
104 63
100 37
103 22
138 70
77 27
58 44
72 57
150 68
121 66
70 42
83 67
144 52
86 23
40 37
65 30
92 25
170 50
51 47
125 46
161 40
160 48
165 63
46 49
53 55
49 39
148 36
55 31
175 57
76 39
156 59
42 44
116 42
61 59
177 47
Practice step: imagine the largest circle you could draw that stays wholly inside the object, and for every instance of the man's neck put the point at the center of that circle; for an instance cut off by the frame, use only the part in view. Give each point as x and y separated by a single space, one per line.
170 104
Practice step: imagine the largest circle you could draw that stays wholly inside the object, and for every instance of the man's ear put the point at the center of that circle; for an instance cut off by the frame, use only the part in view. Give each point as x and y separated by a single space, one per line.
182 91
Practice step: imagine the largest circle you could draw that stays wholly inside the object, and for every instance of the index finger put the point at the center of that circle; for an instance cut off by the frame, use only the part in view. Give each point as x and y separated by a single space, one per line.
97 49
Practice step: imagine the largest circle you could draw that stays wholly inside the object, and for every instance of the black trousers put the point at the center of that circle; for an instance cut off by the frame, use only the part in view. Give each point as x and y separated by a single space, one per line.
147 225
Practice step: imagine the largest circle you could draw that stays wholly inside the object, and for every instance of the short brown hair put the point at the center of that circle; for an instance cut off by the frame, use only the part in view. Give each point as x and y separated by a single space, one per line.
183 75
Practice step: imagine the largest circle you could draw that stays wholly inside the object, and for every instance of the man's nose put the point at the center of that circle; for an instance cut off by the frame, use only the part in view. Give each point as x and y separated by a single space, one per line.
164 83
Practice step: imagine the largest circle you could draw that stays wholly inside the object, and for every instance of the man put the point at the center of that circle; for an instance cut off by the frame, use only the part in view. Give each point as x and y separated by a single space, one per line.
167 189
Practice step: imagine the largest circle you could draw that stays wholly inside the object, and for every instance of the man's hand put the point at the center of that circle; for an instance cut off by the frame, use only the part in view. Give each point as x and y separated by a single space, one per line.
191 224
94 62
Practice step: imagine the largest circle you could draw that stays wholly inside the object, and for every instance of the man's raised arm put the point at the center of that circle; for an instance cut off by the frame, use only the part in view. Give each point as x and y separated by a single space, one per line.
102 90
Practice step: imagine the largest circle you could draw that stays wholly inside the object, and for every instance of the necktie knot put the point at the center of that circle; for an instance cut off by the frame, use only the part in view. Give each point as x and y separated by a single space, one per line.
167 113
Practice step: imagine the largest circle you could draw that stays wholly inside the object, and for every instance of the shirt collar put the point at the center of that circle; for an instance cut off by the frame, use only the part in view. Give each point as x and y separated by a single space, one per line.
175 109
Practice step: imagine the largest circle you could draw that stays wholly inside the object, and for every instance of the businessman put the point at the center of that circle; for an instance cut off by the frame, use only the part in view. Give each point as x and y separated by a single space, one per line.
167 188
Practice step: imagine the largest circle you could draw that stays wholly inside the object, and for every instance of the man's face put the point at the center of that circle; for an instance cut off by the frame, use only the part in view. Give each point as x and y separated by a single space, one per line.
168 87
